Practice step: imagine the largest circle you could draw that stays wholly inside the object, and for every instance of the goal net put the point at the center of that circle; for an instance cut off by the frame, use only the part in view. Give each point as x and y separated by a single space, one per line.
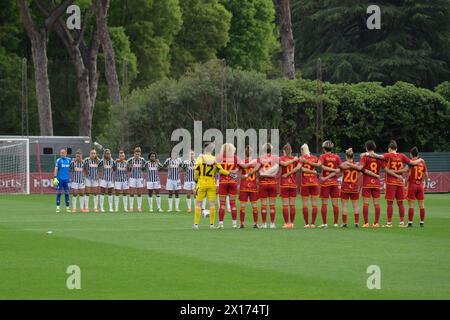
14 166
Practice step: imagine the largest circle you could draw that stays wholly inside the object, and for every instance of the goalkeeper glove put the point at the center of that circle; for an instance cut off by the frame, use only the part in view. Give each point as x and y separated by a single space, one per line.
55 181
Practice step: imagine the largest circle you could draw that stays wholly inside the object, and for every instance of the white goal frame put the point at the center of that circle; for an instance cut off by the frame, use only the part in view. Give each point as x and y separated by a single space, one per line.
27 162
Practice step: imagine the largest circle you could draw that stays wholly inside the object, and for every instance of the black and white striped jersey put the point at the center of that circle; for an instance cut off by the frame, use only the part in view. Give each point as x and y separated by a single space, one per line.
189 167
173 168
152 168
77 169
121 170
107 169
91 167
136 166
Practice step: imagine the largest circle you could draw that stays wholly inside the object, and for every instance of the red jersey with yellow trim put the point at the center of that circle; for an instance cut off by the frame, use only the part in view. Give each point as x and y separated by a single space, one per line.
228 164
291 181
333 161
248 184
350 180
395 161
375 166
416 173
267 161
309 179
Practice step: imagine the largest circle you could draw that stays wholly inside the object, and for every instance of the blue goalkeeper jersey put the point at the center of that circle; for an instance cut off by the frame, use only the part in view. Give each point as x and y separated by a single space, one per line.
63 165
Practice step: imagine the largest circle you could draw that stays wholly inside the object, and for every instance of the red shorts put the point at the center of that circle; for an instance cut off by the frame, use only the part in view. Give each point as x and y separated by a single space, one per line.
307 191
415 192
329 191
288 192
267 191
245 196
371 192
227 189
349 195
394 192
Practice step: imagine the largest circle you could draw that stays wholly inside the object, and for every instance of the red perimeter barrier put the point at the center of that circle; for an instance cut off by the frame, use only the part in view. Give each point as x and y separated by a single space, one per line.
440 182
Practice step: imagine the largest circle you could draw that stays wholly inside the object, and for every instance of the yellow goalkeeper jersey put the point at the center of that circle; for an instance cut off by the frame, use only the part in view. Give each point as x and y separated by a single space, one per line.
205 170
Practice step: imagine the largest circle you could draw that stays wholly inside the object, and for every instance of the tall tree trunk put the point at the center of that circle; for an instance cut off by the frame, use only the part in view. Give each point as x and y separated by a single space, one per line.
286 38
101 9
39 38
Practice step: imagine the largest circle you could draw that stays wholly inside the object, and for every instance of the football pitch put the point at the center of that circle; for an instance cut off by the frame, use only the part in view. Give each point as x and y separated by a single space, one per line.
159 256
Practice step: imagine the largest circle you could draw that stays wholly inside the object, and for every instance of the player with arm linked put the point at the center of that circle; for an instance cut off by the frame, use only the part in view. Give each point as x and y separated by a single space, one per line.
395 186
136 167
61 178
92 183
417 175
189 183
106 167
227 185
309 184
173 184
121 181
288 186
152 166
77 184
248 189
329 163
205 176
268 172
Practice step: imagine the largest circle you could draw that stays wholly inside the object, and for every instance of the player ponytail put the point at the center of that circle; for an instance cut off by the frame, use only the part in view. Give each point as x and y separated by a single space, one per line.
370 145
349 153
304 149
327 145
414 152
287 149
392 145
227 150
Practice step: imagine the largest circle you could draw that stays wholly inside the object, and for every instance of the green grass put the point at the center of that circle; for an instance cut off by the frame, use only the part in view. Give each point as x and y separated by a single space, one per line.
159 256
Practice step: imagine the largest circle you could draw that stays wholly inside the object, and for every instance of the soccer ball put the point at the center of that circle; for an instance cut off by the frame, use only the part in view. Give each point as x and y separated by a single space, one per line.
205 213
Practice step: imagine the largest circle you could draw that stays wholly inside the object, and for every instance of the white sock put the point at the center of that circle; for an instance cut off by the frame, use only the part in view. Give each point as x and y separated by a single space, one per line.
170 204
204 204
158 201
86 201
96 201
188 203
102 201
81 202
131 202
74 202
125 202
150 202
116 201
110 201
177 203
139 201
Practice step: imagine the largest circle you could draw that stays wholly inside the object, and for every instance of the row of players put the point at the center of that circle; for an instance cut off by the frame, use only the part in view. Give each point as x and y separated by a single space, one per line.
259 180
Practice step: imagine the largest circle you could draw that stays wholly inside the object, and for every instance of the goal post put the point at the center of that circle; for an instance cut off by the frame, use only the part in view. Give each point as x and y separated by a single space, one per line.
14 166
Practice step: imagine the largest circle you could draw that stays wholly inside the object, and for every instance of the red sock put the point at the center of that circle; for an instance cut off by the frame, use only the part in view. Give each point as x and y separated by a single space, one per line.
221 212
390 211
410 214
422 214
336 214
305 215
377 213
401 210
242 215
264 213
344 218
272 214
233 210
292 213
366 213
314 215
323 211
356 217
285 214
255 215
